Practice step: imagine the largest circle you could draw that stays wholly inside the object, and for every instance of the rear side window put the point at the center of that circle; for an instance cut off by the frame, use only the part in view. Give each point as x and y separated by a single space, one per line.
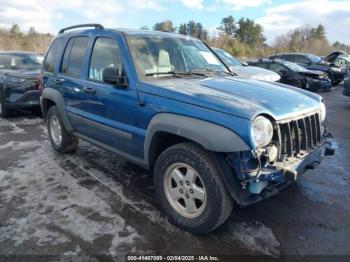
52 55
73 57
302 60
290 58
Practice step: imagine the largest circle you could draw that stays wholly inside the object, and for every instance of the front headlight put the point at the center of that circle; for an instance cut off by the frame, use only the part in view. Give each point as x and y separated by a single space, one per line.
323 112
261 131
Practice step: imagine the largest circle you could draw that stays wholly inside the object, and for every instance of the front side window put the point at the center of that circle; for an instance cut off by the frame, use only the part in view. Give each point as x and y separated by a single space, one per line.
105 54
313 58
262 65
158 55
73 57
52 55
277 68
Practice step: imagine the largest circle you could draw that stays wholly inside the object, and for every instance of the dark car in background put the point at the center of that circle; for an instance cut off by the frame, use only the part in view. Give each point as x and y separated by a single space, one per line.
312 62
346 91
241 70
296 75
19 81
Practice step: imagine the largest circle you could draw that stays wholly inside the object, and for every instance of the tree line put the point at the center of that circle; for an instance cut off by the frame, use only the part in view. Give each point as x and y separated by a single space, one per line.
242 38
245 38
14 39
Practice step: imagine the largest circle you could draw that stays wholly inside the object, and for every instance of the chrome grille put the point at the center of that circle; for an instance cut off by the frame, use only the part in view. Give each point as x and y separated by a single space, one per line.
298 135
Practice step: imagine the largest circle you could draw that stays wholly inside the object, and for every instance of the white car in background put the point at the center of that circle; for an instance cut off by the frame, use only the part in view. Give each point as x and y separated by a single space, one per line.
241 70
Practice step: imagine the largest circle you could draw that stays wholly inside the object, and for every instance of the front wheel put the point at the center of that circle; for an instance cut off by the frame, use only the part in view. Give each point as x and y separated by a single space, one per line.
309 87
190 190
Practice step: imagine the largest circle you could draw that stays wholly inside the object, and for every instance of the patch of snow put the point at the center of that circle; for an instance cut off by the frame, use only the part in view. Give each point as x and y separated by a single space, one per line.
53 198
256 237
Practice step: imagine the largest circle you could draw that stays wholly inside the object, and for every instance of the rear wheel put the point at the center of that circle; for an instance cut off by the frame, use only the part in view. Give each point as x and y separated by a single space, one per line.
190 190
60 139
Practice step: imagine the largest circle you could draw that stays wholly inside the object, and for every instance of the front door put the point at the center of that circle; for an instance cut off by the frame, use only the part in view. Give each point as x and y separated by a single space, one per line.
106 110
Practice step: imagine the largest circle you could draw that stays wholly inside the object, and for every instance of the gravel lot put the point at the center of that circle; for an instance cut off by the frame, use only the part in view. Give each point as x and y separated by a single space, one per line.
91 203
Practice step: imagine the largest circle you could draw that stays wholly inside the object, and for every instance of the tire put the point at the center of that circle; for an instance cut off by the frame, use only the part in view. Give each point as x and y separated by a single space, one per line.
60 139
308 87
191 159
4 112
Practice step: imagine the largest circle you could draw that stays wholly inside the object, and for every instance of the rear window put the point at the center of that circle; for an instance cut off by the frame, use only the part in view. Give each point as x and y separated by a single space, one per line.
73 57
52 55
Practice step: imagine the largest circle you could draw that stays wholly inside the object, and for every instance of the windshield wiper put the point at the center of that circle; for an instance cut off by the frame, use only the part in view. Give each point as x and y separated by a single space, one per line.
177 73
197 72
211 72
227 73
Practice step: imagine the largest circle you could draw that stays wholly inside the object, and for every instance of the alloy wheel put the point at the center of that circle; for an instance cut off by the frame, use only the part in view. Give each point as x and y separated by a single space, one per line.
185 190
55 130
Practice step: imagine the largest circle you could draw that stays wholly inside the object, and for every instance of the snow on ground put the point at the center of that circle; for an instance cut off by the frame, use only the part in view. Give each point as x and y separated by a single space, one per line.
52 199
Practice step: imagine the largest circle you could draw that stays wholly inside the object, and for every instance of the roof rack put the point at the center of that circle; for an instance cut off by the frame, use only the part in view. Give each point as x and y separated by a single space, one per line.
96 26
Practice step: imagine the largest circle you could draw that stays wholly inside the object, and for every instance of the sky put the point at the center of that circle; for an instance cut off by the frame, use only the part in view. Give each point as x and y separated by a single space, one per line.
276 16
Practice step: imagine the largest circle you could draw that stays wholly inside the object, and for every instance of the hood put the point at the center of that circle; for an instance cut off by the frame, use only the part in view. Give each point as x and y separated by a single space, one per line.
23 73
237 96
256 73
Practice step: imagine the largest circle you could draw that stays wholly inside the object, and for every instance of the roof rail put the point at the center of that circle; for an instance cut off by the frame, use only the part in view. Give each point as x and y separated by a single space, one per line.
97 26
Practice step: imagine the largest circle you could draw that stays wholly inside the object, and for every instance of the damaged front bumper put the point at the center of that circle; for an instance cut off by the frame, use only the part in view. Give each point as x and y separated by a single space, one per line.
272 178
291 169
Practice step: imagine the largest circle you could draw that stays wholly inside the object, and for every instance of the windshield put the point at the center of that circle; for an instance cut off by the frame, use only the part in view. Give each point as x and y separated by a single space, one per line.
313 58
228 59
294 67
159 55
20 61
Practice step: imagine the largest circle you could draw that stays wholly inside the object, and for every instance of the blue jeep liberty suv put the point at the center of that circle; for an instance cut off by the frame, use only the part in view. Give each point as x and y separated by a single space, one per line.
166 103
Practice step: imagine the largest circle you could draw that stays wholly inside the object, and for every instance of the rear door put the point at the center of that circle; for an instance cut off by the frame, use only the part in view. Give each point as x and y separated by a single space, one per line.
51 62
68 79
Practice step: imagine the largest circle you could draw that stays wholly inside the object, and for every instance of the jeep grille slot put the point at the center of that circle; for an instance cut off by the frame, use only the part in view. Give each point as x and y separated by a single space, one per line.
298 135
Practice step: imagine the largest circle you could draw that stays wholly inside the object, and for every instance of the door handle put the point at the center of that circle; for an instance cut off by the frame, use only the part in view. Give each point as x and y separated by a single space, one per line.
59 81
89 90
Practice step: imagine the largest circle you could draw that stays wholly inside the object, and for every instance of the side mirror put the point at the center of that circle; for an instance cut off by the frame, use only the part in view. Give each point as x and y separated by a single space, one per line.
110 75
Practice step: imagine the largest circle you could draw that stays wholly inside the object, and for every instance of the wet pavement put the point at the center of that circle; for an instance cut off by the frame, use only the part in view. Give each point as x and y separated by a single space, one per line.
92 203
